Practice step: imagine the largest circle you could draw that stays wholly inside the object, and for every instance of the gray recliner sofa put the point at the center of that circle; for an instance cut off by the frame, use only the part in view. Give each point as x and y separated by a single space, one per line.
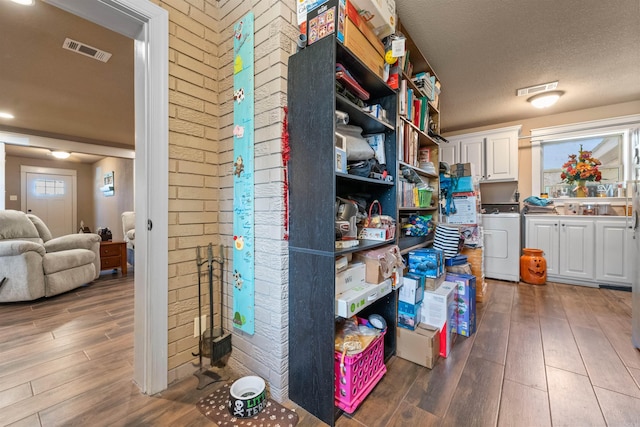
36 265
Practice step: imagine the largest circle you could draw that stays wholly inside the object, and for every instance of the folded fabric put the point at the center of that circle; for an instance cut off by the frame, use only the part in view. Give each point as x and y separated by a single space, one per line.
538 201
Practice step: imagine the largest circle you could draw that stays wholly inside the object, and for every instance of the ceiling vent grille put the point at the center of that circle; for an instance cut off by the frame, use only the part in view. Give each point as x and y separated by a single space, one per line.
86 50
532 90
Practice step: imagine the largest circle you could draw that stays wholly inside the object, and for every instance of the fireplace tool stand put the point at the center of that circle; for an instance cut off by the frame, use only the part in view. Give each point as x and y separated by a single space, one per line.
213 342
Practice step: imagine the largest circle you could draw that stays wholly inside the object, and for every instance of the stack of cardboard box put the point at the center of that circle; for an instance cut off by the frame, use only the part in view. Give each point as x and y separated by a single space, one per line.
431 318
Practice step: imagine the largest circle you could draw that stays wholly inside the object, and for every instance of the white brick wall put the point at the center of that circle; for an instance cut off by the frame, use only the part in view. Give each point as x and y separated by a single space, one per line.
201 183
265 353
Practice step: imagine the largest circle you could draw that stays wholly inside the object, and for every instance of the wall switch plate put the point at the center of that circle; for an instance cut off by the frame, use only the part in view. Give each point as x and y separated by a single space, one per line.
203 325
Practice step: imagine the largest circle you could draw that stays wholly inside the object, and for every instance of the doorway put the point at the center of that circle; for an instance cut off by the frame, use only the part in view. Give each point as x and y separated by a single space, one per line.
51 195
148 25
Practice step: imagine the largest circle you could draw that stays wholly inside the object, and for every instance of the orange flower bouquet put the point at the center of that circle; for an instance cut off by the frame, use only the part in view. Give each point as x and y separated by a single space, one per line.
580 168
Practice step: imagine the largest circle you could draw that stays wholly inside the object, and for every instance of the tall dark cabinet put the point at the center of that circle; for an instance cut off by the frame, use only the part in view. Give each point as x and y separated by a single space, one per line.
314 185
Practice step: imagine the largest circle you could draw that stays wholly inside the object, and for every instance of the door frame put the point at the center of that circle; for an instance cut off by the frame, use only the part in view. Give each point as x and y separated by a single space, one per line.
24 170
148 25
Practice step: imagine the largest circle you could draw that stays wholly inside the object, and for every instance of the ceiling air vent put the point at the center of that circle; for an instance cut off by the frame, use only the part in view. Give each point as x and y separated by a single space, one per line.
86 50
531 90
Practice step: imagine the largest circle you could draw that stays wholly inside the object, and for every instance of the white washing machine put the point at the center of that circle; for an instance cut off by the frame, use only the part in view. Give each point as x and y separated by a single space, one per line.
501 245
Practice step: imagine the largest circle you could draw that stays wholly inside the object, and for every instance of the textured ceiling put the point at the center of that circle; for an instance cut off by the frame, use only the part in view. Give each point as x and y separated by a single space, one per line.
483 50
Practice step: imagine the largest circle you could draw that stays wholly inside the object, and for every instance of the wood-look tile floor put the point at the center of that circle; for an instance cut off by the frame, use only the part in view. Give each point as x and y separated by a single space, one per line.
543 355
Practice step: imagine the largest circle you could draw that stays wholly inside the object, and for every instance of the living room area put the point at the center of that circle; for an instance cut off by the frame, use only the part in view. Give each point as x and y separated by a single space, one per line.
80 203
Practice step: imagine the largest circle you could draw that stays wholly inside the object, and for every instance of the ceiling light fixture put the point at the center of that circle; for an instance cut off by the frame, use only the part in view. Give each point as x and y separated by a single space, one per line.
60 154
546 99
24 2
4 115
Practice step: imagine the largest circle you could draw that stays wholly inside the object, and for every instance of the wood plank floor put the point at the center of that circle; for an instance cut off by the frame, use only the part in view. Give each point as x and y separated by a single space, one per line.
553 355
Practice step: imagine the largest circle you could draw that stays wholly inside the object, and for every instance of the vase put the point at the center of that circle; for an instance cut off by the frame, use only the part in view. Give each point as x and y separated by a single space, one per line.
581 189
533 266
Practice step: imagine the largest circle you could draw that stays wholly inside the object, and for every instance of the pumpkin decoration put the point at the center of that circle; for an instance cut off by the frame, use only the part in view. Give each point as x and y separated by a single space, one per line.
533 266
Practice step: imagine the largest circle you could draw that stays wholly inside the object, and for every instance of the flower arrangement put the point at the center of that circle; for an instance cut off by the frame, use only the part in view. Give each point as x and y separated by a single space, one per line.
581 167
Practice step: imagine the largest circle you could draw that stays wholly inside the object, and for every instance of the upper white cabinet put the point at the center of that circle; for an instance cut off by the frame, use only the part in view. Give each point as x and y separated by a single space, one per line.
472 151
501 150
449 153
493 154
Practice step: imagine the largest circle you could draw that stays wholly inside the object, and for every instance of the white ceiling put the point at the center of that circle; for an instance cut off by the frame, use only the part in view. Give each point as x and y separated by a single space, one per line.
482 51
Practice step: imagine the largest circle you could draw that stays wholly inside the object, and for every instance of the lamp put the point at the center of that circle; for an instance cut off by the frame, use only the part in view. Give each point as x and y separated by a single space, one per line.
4 115
546 99
60 154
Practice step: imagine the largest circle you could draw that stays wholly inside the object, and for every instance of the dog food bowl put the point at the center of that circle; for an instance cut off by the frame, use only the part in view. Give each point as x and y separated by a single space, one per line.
247 397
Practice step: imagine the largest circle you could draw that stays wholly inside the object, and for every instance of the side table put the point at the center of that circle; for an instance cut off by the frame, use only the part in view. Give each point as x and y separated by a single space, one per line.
113 255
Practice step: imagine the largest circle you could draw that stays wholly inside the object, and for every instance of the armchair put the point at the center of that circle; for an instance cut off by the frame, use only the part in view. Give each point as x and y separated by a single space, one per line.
37 265
129 232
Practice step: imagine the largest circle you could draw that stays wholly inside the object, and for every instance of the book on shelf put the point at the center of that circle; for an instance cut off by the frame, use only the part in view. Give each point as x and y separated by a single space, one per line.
402 98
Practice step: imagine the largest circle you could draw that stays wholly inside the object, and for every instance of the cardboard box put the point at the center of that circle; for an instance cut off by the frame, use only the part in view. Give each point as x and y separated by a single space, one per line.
439 310
352 301
380 14
341 160
427 262
431 284
466 303
461 169
351 277
466 209
447 335
412 290
358 44
352 14
379 234
420 346
409 315
379 262
325 17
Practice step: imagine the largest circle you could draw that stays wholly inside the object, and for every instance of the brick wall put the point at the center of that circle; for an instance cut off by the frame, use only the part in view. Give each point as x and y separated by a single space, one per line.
266 352
200 175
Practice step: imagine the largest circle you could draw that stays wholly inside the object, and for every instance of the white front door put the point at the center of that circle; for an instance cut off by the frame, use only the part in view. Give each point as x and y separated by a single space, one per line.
50 194
49 198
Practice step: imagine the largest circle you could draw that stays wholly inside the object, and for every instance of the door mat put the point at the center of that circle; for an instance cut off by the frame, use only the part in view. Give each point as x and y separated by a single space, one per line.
214 407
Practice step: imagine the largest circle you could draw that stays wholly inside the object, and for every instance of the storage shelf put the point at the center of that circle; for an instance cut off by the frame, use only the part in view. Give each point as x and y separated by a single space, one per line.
411 84
408 244
349 177
416 208
420 171
376 87
425 139
363 246
363 119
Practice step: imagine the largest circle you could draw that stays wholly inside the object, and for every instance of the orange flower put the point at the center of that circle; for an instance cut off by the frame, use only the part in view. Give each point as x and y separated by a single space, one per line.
581 167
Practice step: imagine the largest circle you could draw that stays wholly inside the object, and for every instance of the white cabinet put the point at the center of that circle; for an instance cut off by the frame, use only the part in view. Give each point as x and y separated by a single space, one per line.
583 250
493 154
449 153
542 233
576 251
472 151
614 257
501 150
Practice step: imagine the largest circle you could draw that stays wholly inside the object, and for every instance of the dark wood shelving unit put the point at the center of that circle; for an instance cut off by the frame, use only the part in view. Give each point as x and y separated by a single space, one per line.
314 185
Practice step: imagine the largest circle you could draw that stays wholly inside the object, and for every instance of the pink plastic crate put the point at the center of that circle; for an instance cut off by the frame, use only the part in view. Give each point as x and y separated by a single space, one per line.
362 372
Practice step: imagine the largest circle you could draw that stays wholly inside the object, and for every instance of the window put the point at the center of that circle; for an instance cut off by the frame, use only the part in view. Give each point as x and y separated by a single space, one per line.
606 148
48 187
607 139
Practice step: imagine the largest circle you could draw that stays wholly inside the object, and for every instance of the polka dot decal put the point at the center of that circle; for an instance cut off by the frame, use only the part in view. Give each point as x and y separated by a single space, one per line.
214 407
